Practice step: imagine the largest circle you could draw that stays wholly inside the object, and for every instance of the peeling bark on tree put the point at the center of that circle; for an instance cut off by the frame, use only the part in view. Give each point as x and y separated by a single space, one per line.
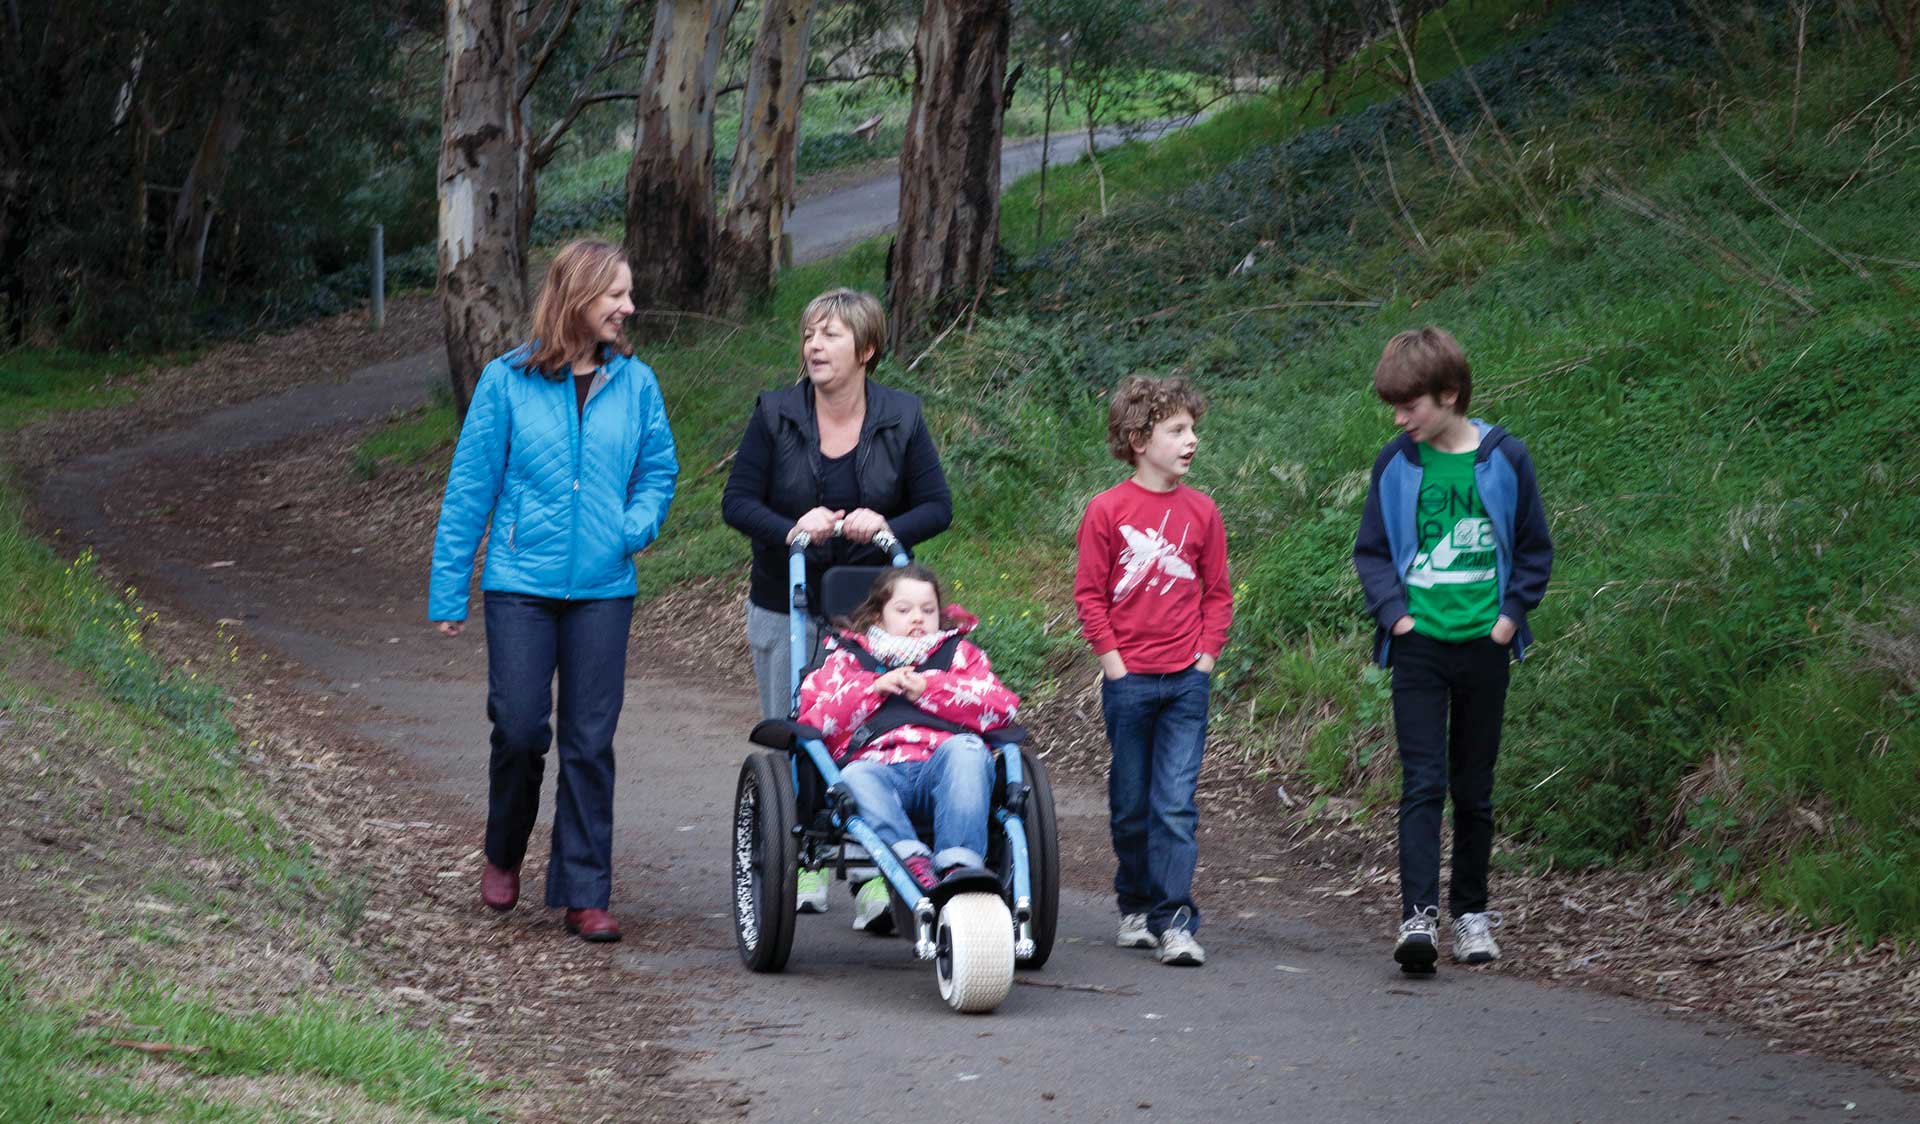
670 209
949 165
484 198
200 194
761 189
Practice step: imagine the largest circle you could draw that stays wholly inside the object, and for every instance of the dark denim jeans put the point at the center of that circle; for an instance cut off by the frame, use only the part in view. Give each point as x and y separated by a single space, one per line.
1157 727
528 640
1448 702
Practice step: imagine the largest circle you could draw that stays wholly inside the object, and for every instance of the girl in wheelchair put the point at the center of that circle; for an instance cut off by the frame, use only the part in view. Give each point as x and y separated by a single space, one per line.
901 700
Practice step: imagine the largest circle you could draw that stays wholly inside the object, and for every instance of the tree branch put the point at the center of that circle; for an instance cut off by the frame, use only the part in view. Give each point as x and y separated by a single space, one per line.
531 18
545 55
548 146
823 80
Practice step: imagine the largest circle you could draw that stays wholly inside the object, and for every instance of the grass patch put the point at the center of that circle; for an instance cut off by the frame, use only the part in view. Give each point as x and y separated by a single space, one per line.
128 741
61 1063
411 440
38 380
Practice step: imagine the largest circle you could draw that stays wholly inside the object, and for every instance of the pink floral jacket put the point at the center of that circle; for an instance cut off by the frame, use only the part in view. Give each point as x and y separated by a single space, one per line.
835 699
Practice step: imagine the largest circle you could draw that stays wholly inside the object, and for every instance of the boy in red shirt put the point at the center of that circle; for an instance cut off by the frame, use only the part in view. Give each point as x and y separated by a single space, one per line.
1155 603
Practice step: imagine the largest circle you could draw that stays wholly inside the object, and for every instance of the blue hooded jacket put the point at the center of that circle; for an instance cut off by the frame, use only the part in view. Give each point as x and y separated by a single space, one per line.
571 495
1388 540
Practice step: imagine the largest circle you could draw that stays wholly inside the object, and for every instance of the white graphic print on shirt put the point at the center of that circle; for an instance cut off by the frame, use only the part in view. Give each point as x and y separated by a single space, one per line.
1152 558
1470 536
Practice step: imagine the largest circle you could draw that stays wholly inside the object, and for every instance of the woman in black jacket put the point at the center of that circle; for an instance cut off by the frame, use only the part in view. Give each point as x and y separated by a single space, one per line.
835 447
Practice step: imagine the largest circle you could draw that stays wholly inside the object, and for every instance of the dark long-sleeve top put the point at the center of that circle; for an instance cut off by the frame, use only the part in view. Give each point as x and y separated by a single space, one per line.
776 479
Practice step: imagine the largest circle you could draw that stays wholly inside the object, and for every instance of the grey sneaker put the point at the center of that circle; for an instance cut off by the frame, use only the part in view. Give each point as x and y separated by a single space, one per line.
1179 949
1418 946
1473 941
1134 932
812 890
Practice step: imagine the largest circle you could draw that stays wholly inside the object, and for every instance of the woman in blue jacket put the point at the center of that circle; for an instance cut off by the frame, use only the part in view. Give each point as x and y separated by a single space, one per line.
566 456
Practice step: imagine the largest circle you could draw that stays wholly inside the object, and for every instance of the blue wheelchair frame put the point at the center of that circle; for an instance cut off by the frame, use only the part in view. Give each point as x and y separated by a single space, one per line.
851 825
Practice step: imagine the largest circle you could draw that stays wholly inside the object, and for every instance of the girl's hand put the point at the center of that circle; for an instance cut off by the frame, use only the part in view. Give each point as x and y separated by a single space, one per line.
1503 630
818 524
912 684
893 682
1204 664
862 525
1112 666
450 628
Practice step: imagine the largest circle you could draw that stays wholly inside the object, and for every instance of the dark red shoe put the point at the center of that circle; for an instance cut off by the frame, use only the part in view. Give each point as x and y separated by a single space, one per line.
595 925
499 886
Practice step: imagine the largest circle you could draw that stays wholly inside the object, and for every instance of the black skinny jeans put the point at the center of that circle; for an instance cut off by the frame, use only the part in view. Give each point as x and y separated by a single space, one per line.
1448 702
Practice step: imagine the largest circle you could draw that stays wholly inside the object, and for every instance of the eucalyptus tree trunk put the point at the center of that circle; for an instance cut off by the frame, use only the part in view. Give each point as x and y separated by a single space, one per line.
200 193
949 164
484 181
670 210
760 191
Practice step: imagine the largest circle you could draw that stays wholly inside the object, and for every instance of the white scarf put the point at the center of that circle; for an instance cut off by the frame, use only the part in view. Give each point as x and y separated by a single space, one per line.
903 651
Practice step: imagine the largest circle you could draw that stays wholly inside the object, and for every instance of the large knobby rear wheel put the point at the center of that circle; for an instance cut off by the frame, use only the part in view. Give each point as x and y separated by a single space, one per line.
766 857
974 962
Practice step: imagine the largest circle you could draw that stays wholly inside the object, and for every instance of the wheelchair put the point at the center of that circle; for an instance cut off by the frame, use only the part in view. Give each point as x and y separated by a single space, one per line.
791 810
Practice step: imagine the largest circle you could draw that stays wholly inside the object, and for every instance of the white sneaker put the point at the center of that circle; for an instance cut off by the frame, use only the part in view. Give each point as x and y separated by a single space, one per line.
1418 946
812 891
1473 941
1178 948
1134 932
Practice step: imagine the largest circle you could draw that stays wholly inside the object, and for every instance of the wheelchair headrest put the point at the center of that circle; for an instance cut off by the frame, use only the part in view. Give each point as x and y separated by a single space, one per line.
844 587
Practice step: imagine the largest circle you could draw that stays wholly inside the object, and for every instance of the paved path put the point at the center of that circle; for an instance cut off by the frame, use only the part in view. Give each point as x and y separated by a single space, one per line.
1288 1021
829 223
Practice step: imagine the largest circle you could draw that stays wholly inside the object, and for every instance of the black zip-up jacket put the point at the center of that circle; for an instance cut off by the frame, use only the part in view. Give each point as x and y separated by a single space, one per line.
776 479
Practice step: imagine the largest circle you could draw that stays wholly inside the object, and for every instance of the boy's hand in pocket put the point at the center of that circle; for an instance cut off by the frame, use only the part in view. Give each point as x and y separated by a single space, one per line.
1503 630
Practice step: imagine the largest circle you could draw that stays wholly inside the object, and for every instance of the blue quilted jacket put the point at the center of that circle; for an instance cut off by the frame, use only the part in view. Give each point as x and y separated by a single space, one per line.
571 499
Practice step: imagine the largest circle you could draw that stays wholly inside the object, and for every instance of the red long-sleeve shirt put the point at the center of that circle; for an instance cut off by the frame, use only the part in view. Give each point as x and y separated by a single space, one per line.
834 699
1152 579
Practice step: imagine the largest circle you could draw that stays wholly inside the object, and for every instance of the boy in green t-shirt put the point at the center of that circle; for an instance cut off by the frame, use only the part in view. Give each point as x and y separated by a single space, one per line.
1453 553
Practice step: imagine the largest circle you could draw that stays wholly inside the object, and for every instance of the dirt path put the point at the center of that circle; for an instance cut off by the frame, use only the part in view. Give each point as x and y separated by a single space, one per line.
1290 1020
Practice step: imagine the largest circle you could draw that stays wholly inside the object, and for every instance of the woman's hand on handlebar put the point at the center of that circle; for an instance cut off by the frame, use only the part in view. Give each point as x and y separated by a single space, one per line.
816 524
862 525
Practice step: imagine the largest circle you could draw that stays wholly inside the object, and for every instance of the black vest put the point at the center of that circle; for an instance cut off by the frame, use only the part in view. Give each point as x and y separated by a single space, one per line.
793 483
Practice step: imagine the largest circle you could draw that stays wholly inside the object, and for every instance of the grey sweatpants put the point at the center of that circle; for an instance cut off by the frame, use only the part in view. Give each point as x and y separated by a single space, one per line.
772 658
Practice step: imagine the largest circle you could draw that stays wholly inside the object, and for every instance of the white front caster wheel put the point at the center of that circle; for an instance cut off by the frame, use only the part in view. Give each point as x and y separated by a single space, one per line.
974 962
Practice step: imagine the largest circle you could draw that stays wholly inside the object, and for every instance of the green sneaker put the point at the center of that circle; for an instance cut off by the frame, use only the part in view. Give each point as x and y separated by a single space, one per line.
871 909
813 890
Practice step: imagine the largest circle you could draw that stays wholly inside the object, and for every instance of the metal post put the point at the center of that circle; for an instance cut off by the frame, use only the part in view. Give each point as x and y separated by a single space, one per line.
378 268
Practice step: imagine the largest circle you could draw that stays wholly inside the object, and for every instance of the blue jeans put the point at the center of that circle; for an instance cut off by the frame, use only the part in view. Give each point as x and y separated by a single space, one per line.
951 790
528 640
1157 727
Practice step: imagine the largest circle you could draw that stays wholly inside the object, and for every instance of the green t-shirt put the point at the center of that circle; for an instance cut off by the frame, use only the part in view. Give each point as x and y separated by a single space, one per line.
1452 591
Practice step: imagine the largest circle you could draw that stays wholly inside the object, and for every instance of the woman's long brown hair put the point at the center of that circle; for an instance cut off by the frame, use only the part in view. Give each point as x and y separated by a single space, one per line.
580 273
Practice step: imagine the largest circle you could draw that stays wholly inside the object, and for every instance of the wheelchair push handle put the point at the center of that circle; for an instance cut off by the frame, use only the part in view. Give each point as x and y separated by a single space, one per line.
885 540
